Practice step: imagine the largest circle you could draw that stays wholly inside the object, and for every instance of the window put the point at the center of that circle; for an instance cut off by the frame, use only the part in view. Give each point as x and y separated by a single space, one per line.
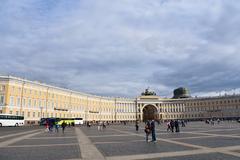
24 102
2 88
29 103
33 114
39 103
35 103
28 114
18 101
11 101
44 103
2 100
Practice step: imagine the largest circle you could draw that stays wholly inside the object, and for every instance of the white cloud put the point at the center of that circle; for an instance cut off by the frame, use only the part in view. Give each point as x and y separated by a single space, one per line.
122 47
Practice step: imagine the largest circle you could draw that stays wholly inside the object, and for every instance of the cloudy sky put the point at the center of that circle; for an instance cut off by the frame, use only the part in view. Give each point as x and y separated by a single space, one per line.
119 48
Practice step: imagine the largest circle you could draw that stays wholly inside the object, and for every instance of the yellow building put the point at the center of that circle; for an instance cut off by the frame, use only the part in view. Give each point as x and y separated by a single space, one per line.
35 100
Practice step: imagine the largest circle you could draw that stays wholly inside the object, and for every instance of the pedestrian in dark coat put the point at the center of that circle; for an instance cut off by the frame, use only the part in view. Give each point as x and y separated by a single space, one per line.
176 126
153 131
64 124
172 125
137 125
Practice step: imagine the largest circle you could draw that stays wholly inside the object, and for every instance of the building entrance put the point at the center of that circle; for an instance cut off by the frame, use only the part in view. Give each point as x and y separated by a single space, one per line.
150 112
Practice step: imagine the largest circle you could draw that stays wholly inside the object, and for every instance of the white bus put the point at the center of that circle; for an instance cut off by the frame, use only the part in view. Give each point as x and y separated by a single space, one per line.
11 120
78 121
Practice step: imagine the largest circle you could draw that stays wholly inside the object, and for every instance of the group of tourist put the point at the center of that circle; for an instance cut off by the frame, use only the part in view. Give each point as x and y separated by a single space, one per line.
101 125
50 125
150 129
211 121
173 125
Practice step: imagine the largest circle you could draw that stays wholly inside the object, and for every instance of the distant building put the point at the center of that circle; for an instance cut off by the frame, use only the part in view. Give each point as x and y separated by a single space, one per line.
36 100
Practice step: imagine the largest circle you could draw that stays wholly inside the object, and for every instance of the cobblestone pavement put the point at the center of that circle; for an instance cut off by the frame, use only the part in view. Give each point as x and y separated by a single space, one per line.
33 143
196 141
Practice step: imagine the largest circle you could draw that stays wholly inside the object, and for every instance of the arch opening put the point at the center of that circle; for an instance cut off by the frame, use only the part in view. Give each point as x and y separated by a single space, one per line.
150 112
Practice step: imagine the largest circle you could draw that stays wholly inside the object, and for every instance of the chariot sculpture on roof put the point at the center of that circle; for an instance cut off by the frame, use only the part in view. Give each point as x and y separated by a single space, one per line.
148 93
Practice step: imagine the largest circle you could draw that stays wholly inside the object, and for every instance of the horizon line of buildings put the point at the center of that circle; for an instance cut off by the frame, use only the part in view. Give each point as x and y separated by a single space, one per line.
35 100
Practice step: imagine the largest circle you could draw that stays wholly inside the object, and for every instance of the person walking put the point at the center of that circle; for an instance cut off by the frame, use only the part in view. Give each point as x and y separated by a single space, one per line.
137 125
153 131
46 127
183 123
50 126
56 127
64 124
218 121
99 125
147 130
176 126
172 125
168 126
104 125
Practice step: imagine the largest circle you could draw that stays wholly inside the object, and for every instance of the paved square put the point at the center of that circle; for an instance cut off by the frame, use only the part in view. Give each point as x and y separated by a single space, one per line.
216 156
196 141
138 147
35 144
213 141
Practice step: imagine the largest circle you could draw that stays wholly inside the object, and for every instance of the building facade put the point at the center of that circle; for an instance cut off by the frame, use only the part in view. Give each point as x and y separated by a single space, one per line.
35 100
